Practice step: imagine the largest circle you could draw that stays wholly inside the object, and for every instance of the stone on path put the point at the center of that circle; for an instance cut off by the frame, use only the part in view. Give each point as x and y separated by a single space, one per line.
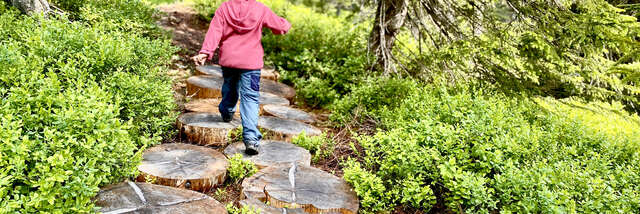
216 71
130 197
277 88
286 112
206 128
297 186
285 130
183 165
204 87
272 153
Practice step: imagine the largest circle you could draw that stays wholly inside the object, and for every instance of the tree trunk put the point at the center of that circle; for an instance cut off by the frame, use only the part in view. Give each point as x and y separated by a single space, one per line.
31 6
390 17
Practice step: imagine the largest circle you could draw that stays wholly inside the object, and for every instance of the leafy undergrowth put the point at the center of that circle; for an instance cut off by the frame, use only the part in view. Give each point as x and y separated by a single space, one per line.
477 151
443 148
81 96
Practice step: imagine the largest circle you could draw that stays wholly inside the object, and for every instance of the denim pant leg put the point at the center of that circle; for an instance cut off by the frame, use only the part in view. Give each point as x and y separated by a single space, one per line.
249 89
229 91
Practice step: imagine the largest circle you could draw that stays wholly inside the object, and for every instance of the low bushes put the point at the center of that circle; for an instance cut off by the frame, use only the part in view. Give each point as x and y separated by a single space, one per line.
80 99
481 152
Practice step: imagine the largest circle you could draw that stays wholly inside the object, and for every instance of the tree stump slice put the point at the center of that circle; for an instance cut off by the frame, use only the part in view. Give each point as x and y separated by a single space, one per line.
209 70
206 106
272 99
285 130
204 87
277 88
298 186
184 166
272 153
211 105
261 207
216 71
206 128
130 197
269 74
286 112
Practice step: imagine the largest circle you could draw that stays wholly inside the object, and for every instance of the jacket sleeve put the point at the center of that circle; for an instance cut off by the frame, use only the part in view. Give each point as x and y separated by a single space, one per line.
277 24
214 34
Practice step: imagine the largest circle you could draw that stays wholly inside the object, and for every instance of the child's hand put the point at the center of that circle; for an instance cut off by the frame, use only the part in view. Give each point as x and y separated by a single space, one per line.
199 59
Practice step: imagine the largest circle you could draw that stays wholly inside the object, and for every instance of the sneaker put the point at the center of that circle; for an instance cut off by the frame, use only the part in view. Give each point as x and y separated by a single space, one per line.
227 118
251 147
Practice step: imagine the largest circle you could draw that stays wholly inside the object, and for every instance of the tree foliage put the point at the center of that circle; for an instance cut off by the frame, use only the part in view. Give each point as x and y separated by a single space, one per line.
561 48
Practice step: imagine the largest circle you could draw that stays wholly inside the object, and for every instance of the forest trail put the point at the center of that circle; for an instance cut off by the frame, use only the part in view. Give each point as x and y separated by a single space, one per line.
199 159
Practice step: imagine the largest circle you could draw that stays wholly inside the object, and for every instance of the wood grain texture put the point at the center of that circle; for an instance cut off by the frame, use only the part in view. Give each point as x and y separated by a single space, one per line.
283 129
204 87
206 128
184 166
286 112
209 70
303 187
277 88
216 71
129 197
272 153
206 106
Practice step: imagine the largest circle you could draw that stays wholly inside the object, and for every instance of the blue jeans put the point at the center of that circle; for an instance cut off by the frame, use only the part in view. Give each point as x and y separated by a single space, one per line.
245 85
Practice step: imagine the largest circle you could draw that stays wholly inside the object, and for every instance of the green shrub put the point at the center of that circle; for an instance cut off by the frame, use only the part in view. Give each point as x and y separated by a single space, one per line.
481 152
244 210
240 168
320 146
370 97
80 102
58 147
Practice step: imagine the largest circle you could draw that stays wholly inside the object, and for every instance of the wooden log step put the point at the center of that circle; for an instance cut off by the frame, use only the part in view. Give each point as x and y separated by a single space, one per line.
211 105
130 197
206 128
203 87
216 71
206 106
286 112
285 130
272 99
184 166
272 153
270 74
298 186
260 207
209 70
277 88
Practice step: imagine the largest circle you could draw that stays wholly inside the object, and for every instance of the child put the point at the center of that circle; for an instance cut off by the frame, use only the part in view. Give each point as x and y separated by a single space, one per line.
236 29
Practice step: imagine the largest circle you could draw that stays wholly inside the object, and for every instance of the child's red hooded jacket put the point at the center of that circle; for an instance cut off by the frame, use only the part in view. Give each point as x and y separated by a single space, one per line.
236 29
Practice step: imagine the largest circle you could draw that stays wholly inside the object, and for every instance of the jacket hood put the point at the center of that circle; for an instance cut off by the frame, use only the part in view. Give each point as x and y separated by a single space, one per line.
243 15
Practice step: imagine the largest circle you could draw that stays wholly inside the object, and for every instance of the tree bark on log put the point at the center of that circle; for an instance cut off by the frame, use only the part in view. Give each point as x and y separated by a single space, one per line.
31 7
185 166
390 18
206 128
